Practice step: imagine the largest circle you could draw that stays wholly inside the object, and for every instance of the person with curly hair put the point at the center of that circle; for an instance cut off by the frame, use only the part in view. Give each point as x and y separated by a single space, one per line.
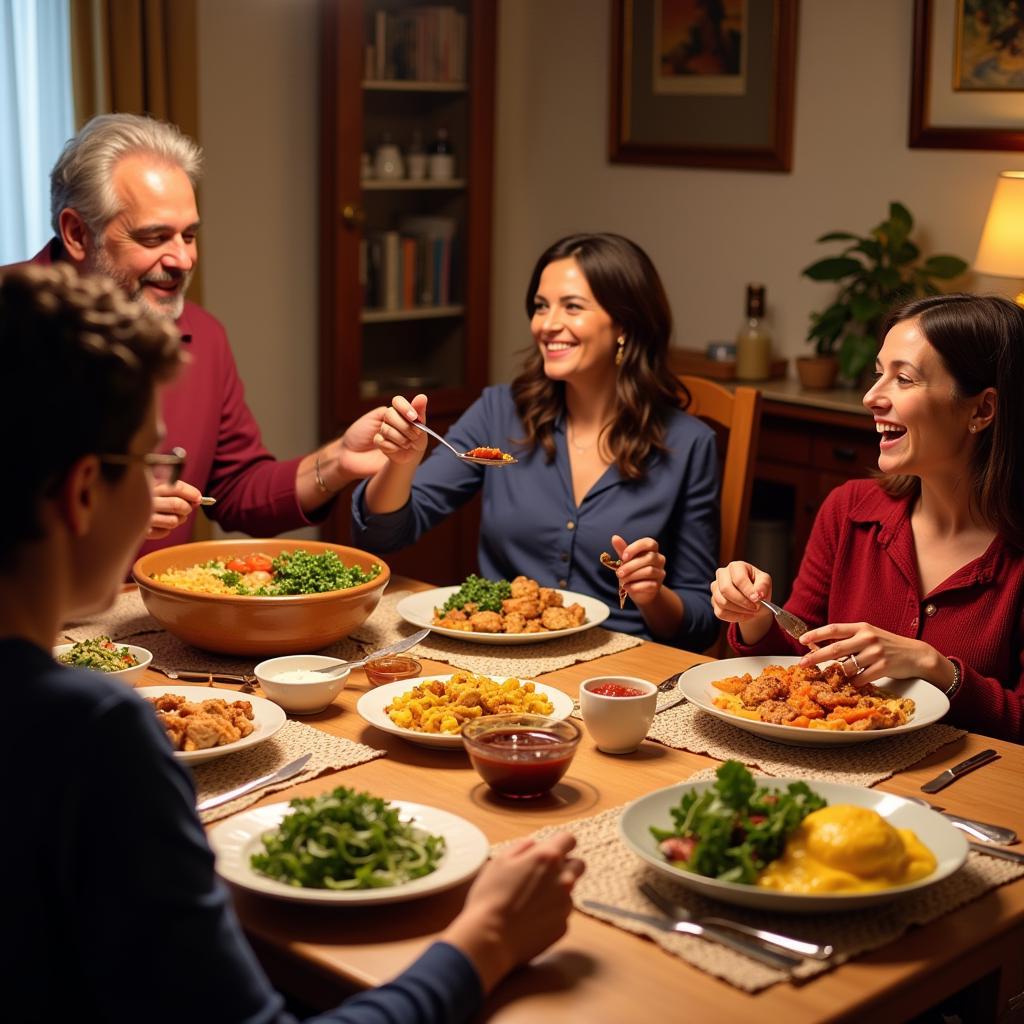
115 883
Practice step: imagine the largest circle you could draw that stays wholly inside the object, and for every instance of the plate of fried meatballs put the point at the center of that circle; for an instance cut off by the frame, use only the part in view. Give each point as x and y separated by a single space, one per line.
532 613
204 722
815 706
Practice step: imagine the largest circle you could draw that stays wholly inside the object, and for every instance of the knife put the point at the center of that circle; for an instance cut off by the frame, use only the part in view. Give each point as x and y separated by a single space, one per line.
290 769
779 960
943 779
998 851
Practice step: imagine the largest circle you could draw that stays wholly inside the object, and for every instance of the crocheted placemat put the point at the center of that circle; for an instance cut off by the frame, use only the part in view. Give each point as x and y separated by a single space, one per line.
385 626
329 754
127 621
686 727
614 874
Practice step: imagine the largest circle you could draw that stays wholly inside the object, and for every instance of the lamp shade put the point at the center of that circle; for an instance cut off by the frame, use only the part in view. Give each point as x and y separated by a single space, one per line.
1001 250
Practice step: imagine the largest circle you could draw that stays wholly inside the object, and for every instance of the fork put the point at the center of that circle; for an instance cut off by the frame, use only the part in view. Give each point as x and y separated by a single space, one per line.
679 913
246 681
788 622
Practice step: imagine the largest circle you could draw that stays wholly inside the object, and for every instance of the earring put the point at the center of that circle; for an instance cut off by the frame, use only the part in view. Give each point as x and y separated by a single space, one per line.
621 342
973 427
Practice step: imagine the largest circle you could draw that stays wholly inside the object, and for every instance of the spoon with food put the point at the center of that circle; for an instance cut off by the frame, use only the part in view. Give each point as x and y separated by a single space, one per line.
482 456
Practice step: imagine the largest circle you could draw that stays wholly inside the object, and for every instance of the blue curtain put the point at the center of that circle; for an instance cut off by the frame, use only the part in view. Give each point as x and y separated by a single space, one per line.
36 118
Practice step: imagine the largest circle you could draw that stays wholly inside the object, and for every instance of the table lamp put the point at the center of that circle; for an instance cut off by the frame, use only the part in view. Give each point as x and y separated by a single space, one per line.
1001 250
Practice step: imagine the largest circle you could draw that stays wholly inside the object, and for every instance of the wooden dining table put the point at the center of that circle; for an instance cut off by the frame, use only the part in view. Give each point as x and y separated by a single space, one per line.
605 975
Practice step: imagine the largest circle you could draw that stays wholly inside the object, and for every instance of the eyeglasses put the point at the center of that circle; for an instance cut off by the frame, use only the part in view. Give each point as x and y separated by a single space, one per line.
165 466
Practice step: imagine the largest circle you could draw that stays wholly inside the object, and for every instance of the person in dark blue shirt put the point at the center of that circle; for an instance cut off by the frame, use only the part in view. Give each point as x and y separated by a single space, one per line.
607 455
112 900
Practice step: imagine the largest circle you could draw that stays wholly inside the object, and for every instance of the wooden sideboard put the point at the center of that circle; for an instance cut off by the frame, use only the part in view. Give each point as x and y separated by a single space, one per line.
810 442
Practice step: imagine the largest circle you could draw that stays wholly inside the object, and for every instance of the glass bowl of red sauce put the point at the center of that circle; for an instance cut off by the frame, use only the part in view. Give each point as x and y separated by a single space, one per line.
520 756
389 668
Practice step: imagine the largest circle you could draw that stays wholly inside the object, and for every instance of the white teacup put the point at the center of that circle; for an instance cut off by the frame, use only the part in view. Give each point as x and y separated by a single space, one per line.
618 722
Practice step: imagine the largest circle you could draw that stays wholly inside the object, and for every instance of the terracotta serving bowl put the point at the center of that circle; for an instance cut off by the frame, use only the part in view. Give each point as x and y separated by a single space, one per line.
266 626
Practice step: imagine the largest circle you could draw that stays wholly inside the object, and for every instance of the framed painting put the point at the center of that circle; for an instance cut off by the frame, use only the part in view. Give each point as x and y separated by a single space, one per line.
967 90
703 83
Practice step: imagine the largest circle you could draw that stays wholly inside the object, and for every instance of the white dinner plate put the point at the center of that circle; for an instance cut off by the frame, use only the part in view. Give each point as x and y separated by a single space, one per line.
371 707
947 843
267 718
418 610
234 840
931 703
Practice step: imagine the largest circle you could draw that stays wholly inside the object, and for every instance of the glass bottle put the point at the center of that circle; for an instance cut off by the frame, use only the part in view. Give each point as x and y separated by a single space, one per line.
442 159
754 342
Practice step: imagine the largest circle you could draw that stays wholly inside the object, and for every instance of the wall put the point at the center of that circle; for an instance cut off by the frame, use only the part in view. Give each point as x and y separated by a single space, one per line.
711 231
258 124
708 231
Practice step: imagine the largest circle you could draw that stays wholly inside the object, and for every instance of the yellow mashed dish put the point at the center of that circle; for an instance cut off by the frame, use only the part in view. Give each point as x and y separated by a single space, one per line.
843 848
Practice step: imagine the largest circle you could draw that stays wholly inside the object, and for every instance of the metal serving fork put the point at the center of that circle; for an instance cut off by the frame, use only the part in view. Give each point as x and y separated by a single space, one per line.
677 912
788 622
246 680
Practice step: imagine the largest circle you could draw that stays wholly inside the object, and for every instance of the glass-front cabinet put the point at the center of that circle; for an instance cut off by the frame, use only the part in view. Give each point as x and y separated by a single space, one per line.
407 104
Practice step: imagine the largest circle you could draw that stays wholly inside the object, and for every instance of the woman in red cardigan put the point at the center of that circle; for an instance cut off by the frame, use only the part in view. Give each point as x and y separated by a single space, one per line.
920 573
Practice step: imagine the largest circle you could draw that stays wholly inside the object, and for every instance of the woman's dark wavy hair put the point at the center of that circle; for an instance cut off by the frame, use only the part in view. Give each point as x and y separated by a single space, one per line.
980 340
627 287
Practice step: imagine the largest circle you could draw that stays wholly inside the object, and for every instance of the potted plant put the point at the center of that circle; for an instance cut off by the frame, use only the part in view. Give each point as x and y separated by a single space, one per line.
876 272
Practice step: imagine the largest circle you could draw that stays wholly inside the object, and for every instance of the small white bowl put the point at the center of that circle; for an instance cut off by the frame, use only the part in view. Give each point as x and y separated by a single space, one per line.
305 697
618 724
126 675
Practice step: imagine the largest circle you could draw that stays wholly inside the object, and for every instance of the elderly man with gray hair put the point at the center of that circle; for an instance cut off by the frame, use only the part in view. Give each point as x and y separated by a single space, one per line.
123 204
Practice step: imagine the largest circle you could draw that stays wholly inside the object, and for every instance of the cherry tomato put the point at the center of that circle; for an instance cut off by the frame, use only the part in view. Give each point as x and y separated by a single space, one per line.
259 563
237 565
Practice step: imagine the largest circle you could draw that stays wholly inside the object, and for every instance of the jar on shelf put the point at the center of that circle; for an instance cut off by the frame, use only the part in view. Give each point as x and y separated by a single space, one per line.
417 157
388 162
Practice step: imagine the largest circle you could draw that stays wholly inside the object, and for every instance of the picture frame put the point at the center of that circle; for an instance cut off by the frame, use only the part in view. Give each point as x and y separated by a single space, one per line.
951 108
700 84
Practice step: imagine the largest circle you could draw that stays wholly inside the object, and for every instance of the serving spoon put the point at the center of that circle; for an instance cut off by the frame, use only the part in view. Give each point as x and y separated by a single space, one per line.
396 648
465 456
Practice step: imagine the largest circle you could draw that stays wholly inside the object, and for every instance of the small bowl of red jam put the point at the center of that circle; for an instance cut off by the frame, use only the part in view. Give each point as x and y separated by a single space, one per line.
389 668
618 711
520 756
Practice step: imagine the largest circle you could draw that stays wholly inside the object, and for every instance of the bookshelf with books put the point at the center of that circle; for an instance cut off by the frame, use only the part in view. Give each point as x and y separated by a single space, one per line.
407 104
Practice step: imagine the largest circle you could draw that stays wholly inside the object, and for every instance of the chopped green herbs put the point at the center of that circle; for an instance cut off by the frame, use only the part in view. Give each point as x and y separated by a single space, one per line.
734 829
487 595
295 572
346 840
299 572
99 653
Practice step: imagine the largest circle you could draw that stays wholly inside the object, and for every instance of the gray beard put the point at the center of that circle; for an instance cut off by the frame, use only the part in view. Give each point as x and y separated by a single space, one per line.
166 309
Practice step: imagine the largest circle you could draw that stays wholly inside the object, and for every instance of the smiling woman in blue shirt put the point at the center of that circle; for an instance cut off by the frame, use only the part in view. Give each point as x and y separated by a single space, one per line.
608 456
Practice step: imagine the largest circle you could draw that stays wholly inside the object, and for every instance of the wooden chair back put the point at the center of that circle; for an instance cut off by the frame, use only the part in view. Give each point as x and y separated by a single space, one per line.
735 417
